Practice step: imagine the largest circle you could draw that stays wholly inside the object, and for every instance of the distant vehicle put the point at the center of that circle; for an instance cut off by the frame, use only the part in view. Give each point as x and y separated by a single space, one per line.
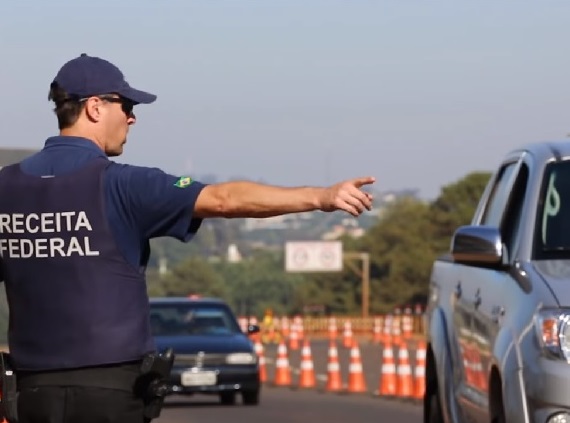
212 354
498 315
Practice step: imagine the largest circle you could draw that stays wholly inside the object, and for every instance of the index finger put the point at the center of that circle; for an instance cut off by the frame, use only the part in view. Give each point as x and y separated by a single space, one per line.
358 182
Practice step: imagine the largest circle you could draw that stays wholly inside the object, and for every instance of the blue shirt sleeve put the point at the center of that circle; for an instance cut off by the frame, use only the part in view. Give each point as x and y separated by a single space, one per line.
157 203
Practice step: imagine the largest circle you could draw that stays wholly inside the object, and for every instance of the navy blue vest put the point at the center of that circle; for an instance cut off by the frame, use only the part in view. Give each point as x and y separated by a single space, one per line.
74 300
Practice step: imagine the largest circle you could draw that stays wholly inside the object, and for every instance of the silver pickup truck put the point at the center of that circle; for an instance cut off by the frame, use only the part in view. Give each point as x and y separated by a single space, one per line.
498 314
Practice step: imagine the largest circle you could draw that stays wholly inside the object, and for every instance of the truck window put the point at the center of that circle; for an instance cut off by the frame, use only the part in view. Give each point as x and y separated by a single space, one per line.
553 225
514 208
499 196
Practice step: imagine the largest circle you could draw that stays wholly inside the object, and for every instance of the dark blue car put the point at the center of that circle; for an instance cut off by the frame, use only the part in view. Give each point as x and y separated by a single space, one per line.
212 354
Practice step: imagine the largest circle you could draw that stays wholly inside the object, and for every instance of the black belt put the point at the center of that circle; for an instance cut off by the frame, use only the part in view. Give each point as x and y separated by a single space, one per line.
121 376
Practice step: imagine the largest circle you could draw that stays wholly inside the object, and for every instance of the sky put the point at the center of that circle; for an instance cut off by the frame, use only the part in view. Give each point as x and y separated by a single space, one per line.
305 92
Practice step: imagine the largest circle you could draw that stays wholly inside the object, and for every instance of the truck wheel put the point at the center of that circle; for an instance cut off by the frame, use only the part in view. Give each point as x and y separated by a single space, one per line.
432 411
496 401
432 405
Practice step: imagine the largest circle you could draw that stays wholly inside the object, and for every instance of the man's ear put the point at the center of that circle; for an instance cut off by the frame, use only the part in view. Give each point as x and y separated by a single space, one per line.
93 106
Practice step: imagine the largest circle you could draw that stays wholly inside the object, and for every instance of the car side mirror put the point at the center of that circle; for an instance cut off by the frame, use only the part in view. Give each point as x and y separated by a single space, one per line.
481 245
251 329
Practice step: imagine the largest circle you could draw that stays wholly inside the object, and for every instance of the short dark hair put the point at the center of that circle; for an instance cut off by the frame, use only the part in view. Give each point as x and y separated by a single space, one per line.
67 107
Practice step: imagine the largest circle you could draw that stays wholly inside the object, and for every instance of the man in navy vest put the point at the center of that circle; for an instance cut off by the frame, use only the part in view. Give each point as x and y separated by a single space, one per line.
74 244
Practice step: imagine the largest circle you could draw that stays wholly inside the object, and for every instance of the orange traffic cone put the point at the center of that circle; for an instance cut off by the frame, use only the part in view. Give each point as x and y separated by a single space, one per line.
294 337
467 365
285 327
388 329
407 323
300 329
334 381
333 331
420 371
479 372
396 330
261 361
282 369
377 330
404 371
388 380
356 382
307 375
347 339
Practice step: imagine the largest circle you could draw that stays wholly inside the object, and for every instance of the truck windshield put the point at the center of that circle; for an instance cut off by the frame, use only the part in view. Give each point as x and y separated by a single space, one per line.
553 225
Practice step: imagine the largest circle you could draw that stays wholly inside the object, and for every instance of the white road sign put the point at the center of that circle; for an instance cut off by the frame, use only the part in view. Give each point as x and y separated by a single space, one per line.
313 256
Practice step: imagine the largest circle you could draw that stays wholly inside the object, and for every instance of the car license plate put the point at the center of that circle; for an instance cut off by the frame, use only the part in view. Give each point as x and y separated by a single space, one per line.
198 378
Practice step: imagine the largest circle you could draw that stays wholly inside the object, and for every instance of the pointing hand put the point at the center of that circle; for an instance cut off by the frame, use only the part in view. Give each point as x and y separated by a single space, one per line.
347 196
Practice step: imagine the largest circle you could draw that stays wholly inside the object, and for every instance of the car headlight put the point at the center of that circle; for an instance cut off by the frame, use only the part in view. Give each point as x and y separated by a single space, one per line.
240 358
553 330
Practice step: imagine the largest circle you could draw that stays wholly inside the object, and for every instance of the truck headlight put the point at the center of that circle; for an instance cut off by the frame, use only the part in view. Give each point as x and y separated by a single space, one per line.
559 418
553 330
240 358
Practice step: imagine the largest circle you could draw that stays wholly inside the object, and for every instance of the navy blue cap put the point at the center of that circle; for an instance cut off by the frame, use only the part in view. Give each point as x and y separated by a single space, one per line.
87 76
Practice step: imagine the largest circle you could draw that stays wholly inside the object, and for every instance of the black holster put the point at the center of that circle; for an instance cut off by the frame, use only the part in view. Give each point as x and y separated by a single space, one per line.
154 382
8 389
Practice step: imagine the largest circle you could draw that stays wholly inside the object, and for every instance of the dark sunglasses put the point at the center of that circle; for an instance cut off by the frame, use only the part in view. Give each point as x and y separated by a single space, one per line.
126 104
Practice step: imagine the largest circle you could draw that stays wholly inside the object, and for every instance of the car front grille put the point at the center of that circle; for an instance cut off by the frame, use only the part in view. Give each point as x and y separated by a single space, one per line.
196 360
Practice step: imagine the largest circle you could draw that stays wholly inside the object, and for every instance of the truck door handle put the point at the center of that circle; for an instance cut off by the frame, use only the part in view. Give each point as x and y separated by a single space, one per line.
458 290
477 301
498 312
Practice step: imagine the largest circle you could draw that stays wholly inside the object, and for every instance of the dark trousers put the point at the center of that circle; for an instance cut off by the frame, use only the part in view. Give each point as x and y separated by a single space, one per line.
103 394
81 404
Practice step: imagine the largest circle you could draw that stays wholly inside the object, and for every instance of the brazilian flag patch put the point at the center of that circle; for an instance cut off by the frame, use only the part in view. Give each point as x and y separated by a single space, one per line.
183 182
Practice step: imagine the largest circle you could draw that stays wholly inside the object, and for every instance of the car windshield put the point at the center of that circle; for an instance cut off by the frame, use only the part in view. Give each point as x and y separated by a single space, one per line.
192 319
553 224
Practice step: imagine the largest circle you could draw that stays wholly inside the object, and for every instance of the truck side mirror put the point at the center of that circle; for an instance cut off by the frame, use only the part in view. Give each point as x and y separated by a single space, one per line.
480 245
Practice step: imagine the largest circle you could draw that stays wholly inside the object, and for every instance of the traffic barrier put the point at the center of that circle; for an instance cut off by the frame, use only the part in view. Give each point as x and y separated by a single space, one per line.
409 324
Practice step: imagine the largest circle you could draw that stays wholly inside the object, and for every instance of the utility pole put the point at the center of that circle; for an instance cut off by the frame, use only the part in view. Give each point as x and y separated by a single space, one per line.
364 274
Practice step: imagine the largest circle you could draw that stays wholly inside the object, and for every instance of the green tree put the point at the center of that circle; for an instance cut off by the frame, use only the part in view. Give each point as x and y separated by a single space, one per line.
193 276
260 282
456 206
401 254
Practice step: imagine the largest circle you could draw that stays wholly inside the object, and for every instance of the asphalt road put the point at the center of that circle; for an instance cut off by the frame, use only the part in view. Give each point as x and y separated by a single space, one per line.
291 405
283 405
